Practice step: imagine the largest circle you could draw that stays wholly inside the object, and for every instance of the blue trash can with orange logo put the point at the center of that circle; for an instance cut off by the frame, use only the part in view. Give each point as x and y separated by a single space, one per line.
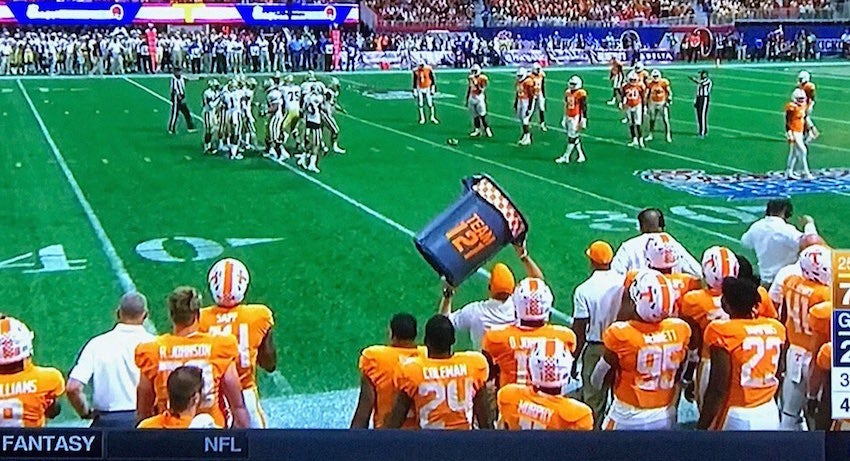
471 231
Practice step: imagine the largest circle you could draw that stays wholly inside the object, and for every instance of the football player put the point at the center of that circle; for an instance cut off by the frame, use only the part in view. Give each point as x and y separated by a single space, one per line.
185 385
800 294
30 393
329 109
211 100
819 390
249 128
661 256
507 348
795 126
476 101
633 99
660 98
744 351
216 356
804 82
445 389
820 319
575 119
250 324
540 406
378 368
618 79
644 354
275 134
523 103
233 120
642 73
424 88
292 103
313 139
538 77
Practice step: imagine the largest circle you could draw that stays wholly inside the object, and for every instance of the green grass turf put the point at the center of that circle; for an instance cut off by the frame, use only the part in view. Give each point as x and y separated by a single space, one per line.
337 273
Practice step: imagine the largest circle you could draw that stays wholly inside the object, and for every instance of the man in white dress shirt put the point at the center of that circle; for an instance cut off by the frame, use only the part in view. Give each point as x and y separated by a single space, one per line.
479 316
775 241
596 303
108 362
632 253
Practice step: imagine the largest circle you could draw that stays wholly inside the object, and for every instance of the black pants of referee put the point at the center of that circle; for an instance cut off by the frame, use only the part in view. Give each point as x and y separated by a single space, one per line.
701 105
178 105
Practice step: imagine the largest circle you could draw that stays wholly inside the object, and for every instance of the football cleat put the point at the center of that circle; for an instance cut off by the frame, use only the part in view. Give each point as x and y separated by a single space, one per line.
475 133
648 137
434 120
489 132
228 279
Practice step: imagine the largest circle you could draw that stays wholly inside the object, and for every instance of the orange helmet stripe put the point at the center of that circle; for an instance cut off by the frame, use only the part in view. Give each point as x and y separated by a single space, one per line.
228 279
550 348
665 292
725 270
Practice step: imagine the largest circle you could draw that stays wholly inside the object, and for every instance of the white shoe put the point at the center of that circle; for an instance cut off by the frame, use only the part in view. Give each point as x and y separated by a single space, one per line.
475 133
649 137
314 169
435 121
339 150
562 159
422 121
490 133
284 155
238 156
581 159
640 141
624 120
634 143
669 138
611 102
543 127
791 175
808 176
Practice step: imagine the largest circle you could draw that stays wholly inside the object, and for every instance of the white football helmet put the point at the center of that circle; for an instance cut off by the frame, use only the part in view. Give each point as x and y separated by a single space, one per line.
655 74
660 252
536 68
638 66
521 73
717 264
550 364
799 96
653 295
229 281
633 77
475 69
15 341
816 263
804 77
574 82
532 300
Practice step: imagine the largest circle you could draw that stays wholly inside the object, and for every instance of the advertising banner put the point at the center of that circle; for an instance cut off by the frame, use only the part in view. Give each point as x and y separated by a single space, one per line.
384 60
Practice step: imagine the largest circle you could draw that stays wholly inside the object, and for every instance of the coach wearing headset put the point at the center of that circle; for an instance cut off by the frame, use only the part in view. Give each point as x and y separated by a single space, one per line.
632 253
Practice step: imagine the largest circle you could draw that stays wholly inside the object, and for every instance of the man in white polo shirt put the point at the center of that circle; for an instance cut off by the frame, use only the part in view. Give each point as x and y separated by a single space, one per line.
632 253
596 303
775 241
108 361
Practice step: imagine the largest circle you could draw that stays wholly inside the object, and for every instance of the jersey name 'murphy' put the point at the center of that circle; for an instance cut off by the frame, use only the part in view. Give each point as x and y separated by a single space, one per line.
535 411
47 443
448 371
186 352
18 388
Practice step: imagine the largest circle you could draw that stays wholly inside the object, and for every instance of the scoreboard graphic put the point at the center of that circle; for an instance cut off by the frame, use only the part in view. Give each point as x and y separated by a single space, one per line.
840 334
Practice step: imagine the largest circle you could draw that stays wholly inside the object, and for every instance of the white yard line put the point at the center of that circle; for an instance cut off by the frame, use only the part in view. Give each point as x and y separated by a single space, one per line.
115 261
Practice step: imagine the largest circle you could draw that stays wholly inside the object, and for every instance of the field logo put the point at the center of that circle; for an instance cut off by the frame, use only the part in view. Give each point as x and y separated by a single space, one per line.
745 186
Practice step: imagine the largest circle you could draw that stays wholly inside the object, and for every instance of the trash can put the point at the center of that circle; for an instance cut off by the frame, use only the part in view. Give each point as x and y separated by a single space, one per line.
473 229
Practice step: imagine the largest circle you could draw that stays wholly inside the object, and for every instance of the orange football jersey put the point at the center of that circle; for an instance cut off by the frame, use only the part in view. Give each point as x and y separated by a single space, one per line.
809 88
754 346
573 101
650 355
682 283
212 354
165 420
537 83
824 358
765 307
523 408
249 324
525 88
659 90
820 318
26 395
477 84
423 77
800 295
795 115
509 346
381 364
633 92
442 389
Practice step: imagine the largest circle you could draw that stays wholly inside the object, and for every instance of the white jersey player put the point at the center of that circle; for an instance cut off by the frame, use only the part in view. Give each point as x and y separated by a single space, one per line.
232 126
313 131
329 108
292 104
211 100
274 128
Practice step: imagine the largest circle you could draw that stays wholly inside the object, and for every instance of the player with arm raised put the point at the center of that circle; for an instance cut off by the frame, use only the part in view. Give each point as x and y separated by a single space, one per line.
541 405
575 119
250 324
633 101
745 352
660 97
477 102
379 366
644 356
216 356
445 389
28 393
424 88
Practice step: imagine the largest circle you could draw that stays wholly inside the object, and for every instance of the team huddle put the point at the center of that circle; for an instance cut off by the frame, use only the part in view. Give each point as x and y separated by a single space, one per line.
297 116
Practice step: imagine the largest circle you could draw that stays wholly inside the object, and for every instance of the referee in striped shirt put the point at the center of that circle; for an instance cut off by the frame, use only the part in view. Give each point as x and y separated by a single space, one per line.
701 104
178 102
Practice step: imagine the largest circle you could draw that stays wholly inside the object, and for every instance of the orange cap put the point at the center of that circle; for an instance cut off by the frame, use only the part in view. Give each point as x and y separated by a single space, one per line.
501 280
600 252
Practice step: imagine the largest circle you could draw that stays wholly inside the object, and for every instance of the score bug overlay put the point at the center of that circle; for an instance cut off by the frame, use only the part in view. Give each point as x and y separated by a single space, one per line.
840 334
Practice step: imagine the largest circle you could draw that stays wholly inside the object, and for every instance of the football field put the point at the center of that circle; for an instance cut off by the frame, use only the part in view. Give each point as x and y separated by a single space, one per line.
98 199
